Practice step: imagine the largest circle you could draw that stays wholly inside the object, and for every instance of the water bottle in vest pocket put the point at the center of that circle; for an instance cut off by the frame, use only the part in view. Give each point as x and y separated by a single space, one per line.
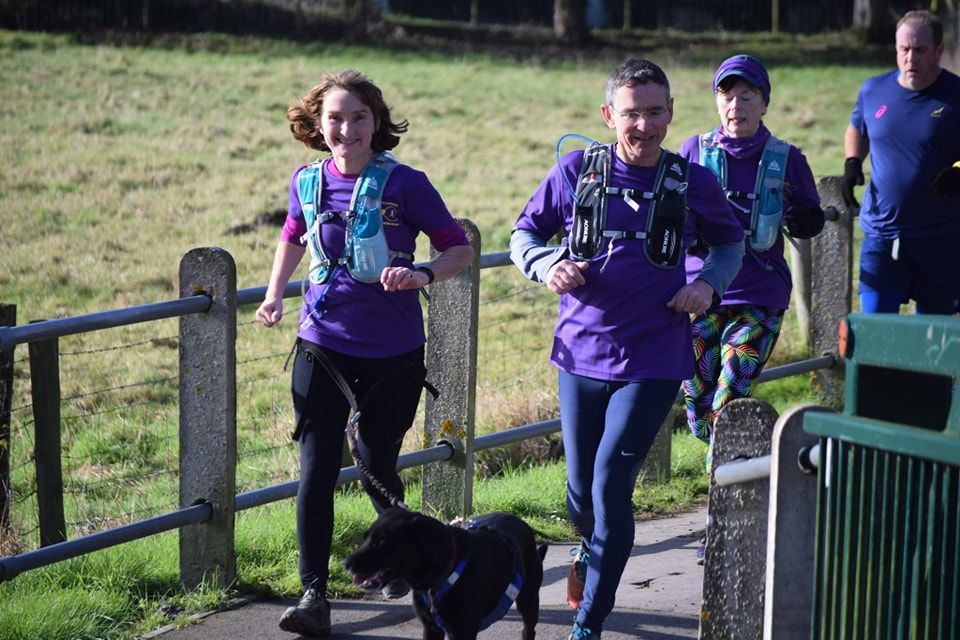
590 204
765 223
367 254
667 215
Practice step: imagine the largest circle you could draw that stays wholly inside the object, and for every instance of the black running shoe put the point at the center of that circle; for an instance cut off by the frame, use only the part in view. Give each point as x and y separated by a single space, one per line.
311 616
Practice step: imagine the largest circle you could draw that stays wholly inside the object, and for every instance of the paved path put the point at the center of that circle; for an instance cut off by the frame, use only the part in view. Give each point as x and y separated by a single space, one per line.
658 599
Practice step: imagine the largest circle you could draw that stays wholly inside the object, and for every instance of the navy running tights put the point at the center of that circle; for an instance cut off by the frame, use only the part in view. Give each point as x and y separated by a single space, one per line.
608 428
321 414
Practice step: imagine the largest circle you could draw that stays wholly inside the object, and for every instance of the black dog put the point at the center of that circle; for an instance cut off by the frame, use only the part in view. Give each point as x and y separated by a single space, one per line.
463 579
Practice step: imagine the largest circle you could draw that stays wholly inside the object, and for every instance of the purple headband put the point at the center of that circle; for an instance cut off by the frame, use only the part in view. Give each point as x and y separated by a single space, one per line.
746 67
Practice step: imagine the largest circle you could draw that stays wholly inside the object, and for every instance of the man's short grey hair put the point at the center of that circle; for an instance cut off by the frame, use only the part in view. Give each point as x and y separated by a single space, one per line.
923 18
633 72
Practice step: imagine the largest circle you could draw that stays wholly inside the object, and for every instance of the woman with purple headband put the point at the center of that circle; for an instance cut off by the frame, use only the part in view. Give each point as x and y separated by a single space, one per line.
733 339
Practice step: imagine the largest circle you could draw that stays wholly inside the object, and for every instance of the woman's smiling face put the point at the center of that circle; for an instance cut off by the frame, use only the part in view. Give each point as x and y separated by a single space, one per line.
348 126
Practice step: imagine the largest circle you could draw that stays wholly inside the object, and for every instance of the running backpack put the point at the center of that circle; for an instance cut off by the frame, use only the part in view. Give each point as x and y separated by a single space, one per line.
667 214
366 253
766 208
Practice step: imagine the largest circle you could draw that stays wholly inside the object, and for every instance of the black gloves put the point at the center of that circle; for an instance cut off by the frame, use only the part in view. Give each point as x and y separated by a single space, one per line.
852 176
947 182
803 222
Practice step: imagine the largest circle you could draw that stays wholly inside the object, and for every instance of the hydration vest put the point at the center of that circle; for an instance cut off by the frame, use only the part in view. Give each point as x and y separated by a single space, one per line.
365 251
766 209
666 216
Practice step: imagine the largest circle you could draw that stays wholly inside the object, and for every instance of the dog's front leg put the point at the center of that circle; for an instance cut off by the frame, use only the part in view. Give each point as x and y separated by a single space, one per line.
432 632
528 606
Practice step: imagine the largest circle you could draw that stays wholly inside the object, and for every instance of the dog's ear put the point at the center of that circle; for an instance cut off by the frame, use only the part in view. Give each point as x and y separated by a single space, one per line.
432 541
425 528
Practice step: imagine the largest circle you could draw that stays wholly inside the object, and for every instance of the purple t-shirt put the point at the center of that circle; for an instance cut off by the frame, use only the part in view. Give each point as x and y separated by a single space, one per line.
764 278
360 318
913 136
617 326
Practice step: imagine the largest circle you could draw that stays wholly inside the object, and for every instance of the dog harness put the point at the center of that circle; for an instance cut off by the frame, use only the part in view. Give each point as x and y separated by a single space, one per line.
766 199
663 236
431 599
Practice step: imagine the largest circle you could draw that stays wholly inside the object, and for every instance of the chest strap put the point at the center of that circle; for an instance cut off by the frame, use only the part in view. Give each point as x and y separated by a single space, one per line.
432 598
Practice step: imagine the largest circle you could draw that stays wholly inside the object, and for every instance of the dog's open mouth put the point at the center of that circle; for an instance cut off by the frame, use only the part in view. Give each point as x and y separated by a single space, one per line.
371 583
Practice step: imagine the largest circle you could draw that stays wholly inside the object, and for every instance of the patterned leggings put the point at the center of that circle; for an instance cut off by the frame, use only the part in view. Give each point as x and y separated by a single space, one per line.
731 344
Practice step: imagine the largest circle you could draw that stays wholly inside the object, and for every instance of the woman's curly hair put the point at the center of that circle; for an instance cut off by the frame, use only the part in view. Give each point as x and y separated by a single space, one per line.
304 116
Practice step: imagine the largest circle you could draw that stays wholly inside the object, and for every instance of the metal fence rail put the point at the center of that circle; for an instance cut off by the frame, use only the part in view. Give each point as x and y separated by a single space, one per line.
205 366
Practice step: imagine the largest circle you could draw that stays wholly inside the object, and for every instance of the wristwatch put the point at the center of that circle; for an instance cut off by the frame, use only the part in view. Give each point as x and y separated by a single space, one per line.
428 271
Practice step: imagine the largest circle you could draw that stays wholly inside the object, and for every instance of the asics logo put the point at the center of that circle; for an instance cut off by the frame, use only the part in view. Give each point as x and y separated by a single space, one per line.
936 113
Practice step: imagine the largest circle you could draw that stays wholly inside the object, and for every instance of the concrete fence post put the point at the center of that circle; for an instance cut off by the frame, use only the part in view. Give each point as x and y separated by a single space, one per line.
831 287
733 572
47 454
656 466
452 368
8 318
208 417
791 531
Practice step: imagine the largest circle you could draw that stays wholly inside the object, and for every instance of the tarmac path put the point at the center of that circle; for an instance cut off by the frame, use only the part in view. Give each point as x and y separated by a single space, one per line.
659 599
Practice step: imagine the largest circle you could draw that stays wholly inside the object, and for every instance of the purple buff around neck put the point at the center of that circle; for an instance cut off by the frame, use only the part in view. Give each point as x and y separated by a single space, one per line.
746 67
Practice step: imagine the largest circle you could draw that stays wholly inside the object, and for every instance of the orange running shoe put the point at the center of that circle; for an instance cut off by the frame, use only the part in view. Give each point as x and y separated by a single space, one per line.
577 577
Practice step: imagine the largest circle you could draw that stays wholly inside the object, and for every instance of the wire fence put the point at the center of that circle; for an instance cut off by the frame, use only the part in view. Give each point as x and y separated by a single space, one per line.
119 410
297 17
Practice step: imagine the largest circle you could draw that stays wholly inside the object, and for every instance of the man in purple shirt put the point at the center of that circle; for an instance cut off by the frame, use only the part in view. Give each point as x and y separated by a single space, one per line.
622 342
908 120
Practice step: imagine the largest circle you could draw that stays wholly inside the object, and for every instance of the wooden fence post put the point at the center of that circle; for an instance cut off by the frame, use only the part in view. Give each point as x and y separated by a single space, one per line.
800 253
8 318
208 417
452 367
45 392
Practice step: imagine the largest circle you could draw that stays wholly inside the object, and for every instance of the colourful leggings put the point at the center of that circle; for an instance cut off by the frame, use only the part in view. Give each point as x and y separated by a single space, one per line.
731 344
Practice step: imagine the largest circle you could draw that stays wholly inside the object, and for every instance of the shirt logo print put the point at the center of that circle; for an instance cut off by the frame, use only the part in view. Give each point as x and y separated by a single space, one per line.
390 214
879 112
936 113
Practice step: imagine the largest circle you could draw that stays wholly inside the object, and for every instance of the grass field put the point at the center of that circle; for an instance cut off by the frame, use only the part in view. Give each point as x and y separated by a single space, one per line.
118 160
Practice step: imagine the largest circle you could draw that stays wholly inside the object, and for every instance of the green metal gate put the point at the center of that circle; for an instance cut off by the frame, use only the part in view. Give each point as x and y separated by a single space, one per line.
888 530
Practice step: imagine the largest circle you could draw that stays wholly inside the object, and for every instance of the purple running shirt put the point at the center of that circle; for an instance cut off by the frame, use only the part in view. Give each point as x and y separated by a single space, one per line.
359 318
617 326
764 277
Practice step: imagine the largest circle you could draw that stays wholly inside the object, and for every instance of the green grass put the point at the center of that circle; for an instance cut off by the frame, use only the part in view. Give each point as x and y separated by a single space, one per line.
120 159
118 592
